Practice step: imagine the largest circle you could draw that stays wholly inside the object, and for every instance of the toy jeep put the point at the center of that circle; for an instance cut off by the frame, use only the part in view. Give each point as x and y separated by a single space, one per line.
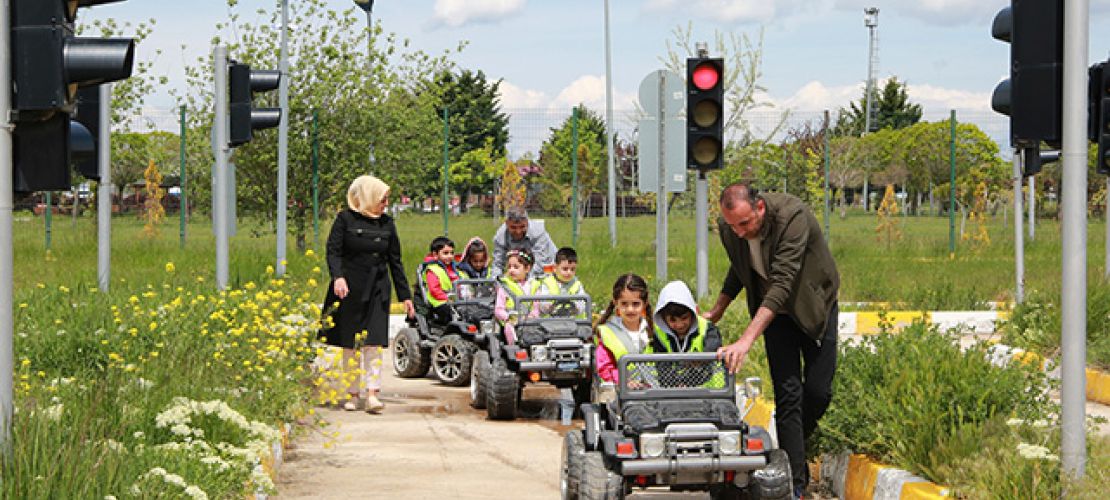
553 344
447 348
674 423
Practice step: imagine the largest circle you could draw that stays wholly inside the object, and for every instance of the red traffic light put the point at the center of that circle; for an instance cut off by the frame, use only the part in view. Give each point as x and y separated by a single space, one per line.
706 76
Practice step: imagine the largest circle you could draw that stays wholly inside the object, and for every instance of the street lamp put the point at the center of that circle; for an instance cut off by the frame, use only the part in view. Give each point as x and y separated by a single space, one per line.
368 6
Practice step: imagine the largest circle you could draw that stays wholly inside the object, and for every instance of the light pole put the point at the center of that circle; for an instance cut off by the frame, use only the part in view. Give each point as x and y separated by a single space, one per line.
368 7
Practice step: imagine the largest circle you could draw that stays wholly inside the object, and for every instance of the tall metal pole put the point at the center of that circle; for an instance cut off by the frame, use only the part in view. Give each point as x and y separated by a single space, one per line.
574 177
104 190
1106 266
1032 207
661 194
827 208
701 195
220 193
182 176
1073 304
48 214
315 178
871 20
446 166
952 185
1019 244
7 204
283 141
609 128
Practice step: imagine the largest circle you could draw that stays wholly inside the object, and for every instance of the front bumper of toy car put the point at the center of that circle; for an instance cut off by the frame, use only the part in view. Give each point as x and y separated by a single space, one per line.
559 356
693 454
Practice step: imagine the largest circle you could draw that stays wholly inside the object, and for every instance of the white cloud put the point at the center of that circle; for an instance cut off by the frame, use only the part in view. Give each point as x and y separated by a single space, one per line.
586 89
455 13
816 96
729 10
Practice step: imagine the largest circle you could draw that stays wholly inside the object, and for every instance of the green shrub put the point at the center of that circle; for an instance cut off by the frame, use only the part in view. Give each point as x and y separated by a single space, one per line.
898 398
1035 324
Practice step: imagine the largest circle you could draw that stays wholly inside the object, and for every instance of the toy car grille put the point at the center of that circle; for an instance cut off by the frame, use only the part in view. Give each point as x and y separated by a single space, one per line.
676 374
474 312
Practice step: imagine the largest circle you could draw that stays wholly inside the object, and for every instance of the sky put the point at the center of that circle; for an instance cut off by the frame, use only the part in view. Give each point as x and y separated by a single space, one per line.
550 53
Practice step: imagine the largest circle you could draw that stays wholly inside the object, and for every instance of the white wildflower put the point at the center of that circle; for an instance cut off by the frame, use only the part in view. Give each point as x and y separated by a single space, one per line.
54 413
1036 452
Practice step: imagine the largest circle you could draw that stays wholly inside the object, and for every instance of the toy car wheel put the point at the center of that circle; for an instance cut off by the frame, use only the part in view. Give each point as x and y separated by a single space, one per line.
773 482
502 392
451 360
479 372
725 492
409 359
597 482
574 447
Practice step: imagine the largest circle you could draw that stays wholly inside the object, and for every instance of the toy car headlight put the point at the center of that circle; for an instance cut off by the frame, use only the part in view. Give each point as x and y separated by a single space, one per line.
585 332
487 327
653 445
539 353
729 442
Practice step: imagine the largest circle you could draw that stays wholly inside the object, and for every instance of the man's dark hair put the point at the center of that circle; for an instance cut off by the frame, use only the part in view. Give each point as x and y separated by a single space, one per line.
516 214
739 191
566 254
674 310
439 242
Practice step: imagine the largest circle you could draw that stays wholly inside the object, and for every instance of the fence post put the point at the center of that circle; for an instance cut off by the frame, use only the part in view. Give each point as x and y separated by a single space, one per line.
315 179
183 204
574 177
446 165
952 185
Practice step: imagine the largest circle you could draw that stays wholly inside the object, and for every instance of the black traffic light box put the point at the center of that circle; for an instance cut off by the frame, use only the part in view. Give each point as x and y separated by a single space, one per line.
1098 117
704 112
48 64
1033 94
243 82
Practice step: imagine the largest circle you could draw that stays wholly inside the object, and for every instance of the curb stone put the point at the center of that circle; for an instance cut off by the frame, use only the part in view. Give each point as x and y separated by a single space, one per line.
856 477
271 461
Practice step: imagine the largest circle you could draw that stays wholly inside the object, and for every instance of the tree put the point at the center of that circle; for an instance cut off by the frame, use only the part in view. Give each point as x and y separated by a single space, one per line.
377 102
557 160
133 151
478 130
893 110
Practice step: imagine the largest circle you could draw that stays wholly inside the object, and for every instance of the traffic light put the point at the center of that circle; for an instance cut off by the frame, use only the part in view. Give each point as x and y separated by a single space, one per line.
245 119
83 132
1099 114
48 65
1033 95
704 112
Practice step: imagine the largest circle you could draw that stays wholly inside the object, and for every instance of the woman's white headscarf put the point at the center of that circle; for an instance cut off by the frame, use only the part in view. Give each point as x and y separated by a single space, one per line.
365 195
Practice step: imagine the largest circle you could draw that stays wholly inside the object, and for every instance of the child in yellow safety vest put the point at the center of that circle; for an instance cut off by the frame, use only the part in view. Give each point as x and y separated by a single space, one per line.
564 279
440 275
514 283
678 326
627 332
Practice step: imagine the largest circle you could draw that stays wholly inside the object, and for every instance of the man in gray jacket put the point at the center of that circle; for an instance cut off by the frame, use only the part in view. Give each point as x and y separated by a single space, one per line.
518 232
777 252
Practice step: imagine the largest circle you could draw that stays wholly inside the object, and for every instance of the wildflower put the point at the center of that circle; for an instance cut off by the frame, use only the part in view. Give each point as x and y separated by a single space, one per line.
170 267
269 269
1035 452
309 253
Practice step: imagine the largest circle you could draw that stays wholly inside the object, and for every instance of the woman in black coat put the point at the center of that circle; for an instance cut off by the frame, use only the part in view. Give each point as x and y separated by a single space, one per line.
363 255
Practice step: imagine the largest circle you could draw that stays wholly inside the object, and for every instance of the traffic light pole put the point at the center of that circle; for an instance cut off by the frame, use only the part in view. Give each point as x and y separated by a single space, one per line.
221 149
1073 310
283 141
701 199
661 193
609 128
1019 243
104 190
7 203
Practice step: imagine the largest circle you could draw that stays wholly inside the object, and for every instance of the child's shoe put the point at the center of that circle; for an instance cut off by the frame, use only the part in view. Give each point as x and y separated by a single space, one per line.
374 405
353 403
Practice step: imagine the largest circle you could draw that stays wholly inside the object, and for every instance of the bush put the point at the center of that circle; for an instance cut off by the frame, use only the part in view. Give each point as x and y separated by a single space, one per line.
898 398
1035 325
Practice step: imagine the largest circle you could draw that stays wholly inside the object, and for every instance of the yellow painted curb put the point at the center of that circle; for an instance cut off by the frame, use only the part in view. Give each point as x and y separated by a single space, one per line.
396 308
760 412
859 484
1098 386
867 322
923 491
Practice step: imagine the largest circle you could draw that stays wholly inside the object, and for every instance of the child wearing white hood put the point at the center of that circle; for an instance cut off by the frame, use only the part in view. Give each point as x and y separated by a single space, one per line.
678 326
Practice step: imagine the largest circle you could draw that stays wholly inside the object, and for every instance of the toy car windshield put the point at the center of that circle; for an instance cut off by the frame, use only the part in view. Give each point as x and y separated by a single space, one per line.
481 290
671 376
552 306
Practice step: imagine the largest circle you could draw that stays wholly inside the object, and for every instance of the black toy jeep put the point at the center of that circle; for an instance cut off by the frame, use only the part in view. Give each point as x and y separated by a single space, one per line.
447 348
553 344
674 423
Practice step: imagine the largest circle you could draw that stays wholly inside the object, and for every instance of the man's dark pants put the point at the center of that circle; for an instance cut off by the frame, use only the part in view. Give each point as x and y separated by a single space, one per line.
803 389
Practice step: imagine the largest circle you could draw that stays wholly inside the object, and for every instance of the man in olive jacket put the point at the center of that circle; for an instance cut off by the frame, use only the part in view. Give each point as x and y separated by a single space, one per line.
778 253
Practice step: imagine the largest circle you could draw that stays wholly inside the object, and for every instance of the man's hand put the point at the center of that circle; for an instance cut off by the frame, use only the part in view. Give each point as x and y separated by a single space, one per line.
409 309
713 315
340 288
734 354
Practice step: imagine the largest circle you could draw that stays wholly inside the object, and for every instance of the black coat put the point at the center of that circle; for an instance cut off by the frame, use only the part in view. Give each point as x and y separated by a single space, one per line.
367 253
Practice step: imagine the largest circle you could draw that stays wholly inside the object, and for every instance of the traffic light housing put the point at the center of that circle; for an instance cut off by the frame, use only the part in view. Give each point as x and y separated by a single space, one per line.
243 82
48 65
84 130
704 112
1099 114
1033 95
